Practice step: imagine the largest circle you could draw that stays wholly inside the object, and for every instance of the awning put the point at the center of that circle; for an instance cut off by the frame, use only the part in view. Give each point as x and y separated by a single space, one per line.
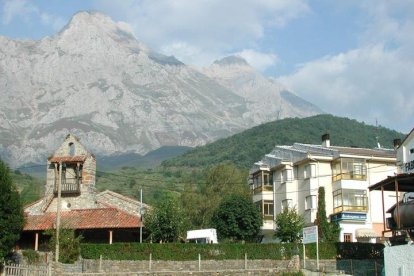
366 233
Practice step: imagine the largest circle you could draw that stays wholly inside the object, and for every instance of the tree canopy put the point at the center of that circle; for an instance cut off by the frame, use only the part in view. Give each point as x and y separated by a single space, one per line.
165 222
289 225
247 147
200 200
11 212
236 218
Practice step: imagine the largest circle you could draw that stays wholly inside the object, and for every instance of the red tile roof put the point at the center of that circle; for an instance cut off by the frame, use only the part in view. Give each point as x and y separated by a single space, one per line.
84 219
57 159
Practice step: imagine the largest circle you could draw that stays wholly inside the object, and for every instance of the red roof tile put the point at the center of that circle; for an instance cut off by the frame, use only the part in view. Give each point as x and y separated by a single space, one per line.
57 159
84 219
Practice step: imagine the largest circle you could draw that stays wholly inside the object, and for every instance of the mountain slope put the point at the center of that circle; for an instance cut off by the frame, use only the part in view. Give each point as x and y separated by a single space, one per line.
95 80
266 99
247 147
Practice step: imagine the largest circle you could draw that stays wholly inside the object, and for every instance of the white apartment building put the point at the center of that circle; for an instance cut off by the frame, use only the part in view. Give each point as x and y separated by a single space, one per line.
405 154
291 175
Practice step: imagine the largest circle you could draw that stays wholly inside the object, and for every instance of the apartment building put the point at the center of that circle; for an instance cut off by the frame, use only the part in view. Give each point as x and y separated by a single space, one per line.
290 176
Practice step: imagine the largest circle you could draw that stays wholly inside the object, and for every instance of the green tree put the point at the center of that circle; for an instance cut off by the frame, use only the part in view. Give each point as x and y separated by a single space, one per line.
237 218
69 245
289 225
327 231
165 222
11 212
200 200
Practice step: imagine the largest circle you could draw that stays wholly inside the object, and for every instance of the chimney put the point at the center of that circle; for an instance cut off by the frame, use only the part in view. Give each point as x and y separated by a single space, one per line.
397 143
326 142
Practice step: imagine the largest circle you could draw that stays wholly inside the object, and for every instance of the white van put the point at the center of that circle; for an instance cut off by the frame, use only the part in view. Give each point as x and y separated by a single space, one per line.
203 236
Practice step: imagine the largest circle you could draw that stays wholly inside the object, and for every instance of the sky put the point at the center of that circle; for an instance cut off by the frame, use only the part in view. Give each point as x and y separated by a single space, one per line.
352 58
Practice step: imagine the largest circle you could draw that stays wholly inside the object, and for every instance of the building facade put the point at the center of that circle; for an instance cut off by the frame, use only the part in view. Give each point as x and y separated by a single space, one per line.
72 199
405 154
290 176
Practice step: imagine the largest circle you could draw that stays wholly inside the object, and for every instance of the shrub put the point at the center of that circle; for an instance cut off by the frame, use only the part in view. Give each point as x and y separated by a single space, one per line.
31 256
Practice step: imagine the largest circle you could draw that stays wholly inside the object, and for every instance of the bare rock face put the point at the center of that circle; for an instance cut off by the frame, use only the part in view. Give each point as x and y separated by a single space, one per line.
95 80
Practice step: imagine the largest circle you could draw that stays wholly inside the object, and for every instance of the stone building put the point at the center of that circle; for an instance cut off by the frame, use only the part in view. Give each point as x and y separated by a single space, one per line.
100 217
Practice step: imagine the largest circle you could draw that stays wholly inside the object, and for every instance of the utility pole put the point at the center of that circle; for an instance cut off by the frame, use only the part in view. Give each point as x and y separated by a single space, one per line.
140 217
58 212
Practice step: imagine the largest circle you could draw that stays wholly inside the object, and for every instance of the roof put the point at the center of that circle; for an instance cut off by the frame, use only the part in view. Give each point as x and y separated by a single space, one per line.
406 137
405 183
387 153
67 159
84 219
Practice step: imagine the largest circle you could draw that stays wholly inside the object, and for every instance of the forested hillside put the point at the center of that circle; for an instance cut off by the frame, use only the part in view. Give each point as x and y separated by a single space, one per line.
240 150
249 146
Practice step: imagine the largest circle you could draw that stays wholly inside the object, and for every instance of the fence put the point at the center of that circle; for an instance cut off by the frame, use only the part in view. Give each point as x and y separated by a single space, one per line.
27 270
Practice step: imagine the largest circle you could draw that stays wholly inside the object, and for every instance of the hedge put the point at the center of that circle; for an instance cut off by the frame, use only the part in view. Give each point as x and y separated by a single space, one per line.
229 251
186 251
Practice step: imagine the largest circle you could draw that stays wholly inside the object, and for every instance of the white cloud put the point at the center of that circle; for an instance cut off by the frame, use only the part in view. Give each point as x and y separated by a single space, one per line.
28 12
17 8
373 81
366 84
260 61
201 31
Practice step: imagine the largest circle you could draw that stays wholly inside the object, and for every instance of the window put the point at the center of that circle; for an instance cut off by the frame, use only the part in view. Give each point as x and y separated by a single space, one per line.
262 181
266 208
310 202
349 168
71 149
350 200
286 203
309 171
411 151
287 175
347 237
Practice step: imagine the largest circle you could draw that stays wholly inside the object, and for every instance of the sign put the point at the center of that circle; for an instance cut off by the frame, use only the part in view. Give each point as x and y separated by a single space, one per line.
408 166
349 216
310 234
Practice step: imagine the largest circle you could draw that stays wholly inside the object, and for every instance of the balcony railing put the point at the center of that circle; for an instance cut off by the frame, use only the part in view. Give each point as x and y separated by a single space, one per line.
349 176
263 188
350 208
69 186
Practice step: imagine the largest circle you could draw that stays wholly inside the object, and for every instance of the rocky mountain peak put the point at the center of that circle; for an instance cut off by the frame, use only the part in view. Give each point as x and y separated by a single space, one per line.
90 20
88 28
95 80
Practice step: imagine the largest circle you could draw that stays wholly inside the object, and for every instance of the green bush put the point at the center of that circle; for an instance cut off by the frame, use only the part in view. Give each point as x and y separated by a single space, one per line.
31 256
187 251
327 250
229 251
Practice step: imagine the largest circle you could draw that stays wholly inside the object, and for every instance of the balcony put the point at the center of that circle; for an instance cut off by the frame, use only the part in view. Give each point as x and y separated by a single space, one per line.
349 176
262 188
69 186
350 208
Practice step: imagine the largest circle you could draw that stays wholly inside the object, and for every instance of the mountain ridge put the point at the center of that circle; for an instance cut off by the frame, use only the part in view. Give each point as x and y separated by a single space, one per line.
95 80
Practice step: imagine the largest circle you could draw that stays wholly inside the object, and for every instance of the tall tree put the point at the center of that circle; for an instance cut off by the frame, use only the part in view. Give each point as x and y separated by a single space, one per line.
69 244
11 212
289 225
327 231
236 218
200 200
165 222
